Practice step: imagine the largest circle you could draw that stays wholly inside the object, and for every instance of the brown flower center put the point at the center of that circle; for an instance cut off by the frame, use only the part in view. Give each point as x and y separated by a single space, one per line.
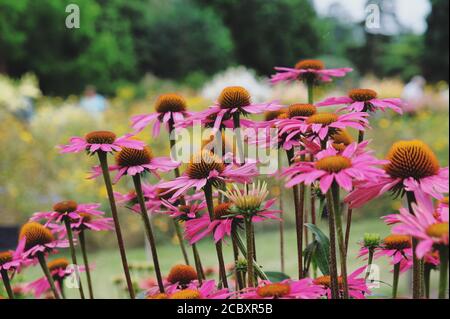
272 115
66 206
182 274
5 257
35 234
301 110
234 97
411 159
186 294
310 64
275 290
222 210
326 281
322 118
333 164
203 164
59 263
131 157
397 242
170 102
362 95
438 230
341 139
100 137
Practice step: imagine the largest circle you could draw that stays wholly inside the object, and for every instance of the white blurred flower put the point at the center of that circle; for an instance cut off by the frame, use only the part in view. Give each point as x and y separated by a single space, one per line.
15 94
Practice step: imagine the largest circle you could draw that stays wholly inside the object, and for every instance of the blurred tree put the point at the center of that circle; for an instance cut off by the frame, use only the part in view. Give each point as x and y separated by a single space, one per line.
268 33
436 55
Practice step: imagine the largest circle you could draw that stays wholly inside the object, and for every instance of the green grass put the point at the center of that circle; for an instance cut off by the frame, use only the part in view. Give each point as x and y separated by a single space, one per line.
108 265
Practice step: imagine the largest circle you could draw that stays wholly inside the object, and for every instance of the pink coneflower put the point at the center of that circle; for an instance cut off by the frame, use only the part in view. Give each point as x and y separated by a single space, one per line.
398 248
357 287
309 71
364 100
131 162
100 141
233 100
207 290
186 212
287 289
207 168
36 238
152 195
322 125
67 209
427 225
343 168
60 270
170 111
412 167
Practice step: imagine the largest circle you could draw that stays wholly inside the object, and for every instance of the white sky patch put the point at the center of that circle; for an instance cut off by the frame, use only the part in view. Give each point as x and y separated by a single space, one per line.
411 13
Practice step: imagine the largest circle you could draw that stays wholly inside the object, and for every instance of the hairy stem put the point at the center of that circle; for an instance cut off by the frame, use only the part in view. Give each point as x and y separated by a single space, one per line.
82 239
73 255
51 282
395 280
250 257
443 271
7 283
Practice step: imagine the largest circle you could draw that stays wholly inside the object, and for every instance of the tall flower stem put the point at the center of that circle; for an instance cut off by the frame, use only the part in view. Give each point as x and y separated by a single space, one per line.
48 275
237 131
281 222
148 230
369 262
340 235
73 255
417 268
443 271
61 288
7 283
427 279
310 85
102 156
250 257
209 202
396 280
236 258
198 264
82 238
243 249
298 206
177 174
333 259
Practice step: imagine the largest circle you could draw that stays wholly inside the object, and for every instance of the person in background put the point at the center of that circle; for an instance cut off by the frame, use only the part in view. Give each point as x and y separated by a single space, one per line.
93 102
414 95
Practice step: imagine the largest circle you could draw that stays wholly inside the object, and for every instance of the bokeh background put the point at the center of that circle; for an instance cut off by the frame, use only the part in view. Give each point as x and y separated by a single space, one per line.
126 53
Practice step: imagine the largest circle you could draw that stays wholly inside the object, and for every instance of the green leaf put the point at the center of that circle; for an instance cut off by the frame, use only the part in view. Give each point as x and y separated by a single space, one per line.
276 276
322 249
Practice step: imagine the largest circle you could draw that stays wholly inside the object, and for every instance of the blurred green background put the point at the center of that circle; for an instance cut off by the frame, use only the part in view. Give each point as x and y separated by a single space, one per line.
132 51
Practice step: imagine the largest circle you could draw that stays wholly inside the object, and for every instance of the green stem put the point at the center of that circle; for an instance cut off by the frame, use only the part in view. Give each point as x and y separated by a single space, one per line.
102 156
281 223
238 283
148 230
427 279
310 85
42 262
237 130
209 202
360 136
333 259
340 235
396 280
198 264
7 283
443 271
82 239
417 269
298 206
369 263
250 257
74 255
61 288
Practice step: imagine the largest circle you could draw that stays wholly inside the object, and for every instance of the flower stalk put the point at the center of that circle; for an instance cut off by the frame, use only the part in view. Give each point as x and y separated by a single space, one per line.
148 230
82 238
333 259
443 271
48 275
250 250
396 280
7 283
74 255
112 202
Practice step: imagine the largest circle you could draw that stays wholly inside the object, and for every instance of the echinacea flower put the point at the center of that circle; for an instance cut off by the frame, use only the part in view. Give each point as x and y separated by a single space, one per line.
60 269
412 167
170 109
286 289
322 125
232 100
207 290
37 239
309 71
428 226
130 161
364 100
207 168
182 275
357 287
344 168
67 209
104 141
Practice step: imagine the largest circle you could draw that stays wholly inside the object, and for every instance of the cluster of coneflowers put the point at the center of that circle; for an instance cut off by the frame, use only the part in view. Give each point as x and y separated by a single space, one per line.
219 195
